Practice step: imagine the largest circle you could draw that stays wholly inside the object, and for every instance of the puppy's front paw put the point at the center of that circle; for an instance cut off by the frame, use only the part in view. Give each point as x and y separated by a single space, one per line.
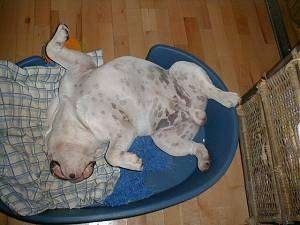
61 35
131 161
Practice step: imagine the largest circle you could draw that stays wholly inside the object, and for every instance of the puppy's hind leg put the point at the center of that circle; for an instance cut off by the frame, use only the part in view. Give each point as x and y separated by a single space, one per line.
191 75
171 142
67 58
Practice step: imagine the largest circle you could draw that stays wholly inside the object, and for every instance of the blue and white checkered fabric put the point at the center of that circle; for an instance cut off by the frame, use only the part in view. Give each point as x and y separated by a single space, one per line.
26 184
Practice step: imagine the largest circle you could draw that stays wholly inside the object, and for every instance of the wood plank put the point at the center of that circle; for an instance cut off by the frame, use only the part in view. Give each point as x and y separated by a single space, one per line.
13 221
120 30
173 215
209 50
155 218
163 25
149 26
138 220
41 29
3 219
135 31
241 65
203 15
24 29
71 16
147 4
176 24
8 23
190 212
193 36
97 34
232 37
218 30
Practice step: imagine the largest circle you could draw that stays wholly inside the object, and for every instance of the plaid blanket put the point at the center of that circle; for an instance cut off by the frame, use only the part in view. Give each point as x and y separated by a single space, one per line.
26 184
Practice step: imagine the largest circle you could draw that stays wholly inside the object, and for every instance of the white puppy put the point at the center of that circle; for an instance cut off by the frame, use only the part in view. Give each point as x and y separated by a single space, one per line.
123 99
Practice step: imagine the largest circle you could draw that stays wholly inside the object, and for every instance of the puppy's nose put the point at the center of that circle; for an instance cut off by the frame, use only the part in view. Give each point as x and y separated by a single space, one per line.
72 175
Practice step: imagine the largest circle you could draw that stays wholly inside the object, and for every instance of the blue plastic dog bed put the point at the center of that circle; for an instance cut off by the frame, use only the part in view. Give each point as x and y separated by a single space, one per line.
180 181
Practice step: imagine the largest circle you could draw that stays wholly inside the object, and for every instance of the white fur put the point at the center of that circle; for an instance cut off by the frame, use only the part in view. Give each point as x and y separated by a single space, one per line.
123 99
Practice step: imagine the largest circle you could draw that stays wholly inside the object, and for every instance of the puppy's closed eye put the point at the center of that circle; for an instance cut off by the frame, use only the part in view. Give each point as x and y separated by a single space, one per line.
53 163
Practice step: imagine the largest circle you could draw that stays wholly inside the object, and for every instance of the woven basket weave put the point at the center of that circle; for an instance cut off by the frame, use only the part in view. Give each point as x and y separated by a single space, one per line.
270 146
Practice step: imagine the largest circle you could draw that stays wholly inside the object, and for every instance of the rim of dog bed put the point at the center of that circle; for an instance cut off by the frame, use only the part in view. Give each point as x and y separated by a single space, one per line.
188 189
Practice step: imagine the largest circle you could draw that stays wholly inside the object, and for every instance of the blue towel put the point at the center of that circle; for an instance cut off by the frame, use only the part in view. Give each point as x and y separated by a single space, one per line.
131 185
161 171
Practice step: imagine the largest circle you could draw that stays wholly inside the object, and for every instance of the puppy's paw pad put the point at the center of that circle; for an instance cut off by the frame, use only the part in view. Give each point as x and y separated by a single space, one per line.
62 34
132 161
204 165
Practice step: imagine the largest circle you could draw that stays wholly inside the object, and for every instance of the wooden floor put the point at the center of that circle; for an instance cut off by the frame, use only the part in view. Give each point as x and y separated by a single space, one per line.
234 37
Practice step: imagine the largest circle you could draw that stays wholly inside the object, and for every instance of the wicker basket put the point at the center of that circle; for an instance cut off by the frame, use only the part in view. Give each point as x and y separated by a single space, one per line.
270 146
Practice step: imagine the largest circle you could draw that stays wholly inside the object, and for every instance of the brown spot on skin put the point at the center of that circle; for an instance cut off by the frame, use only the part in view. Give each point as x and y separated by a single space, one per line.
192 126
162 123
81 92
184 116
143 87
115 117
167 113
163 76
179 131
173 104
172 117
59 145
123 114
94 99
192 87
181 93
100 95
150 76
96 85
201 98
113 105
175 144
103 112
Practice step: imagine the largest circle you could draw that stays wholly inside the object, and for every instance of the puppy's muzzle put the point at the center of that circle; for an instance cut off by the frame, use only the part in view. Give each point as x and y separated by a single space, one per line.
56 171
